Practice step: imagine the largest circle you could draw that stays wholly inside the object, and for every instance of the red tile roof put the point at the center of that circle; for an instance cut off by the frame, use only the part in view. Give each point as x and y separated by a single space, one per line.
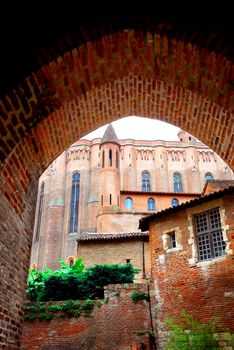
89 236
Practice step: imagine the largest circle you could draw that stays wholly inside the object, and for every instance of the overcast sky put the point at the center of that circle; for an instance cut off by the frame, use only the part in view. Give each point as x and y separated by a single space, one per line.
140 129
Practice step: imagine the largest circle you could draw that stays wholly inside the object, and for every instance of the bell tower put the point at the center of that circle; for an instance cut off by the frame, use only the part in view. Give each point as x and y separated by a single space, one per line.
109 184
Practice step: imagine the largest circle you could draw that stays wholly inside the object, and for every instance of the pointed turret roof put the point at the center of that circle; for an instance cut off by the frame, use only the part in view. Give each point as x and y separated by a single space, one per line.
110 135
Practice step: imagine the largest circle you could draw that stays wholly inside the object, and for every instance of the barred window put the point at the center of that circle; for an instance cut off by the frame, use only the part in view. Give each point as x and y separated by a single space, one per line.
74 208
209 235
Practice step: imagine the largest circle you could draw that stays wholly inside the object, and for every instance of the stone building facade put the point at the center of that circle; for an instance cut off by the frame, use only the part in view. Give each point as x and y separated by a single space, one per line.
105 186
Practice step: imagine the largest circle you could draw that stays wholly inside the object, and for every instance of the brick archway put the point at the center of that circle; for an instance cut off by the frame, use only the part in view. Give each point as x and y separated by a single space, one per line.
128 72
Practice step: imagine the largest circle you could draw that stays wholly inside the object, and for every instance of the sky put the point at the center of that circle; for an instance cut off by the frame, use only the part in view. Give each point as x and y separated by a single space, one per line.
139 128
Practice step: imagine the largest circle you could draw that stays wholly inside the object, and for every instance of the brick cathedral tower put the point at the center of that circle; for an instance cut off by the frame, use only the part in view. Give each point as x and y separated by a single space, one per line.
109 184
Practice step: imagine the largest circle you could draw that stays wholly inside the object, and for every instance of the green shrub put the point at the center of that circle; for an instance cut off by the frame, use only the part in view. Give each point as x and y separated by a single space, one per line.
54 308
35 308
137 295
45 316
74 283
30 317
187 333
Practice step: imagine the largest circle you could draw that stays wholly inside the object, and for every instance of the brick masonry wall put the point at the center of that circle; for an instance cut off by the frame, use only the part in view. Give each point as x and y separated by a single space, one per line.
110 326
94 84
205 289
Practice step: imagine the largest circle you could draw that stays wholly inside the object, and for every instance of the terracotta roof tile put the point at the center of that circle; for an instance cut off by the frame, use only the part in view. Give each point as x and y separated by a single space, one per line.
89 236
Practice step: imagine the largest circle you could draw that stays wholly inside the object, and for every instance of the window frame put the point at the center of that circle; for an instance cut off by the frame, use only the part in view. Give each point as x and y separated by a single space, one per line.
125 202
145 182
209 235
152 200
40 210
74 219
177 185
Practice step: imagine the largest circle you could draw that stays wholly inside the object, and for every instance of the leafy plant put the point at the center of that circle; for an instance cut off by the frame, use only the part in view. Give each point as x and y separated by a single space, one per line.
187 333
137 295
75 283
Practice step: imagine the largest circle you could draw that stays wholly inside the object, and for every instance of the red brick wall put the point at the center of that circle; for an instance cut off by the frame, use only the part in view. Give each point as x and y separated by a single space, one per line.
205 288
188 86
110 326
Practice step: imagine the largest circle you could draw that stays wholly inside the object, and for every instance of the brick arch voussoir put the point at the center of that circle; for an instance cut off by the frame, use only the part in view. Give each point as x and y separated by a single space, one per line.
130 52
130 95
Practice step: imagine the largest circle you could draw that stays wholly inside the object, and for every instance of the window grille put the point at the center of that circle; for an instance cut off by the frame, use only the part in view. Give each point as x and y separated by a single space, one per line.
209 235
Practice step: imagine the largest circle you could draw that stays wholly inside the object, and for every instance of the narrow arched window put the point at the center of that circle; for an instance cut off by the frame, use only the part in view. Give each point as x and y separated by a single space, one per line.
117 159
145 181
128 203
39 215
103 158
151 204
209 176
177 178
174 202
110 198
102 199
110 157
74 208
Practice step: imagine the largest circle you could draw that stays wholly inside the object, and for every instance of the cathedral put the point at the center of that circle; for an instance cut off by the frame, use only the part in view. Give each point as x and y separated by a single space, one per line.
91 198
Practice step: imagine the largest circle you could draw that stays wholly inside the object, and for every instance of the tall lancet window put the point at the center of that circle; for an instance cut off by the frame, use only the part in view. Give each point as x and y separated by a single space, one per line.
103 158
117 159
145 181
178 186
74 208
39 215
110 157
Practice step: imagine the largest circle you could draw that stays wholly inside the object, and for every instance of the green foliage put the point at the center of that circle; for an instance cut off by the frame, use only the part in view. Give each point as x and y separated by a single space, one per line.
37 279
35 308
88 305
117 294
54 308
69 307
35 283
45 316
137 295
72 283
187 333
30 317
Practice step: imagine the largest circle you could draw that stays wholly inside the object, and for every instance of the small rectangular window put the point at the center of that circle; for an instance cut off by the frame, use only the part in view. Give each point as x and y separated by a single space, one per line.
171 240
